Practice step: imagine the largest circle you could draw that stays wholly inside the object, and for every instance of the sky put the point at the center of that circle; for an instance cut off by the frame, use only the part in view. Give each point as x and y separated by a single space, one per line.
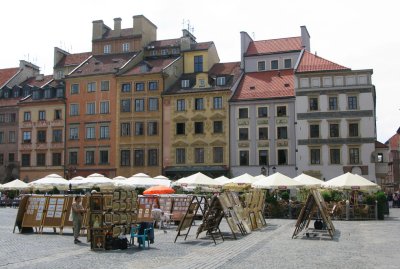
359 34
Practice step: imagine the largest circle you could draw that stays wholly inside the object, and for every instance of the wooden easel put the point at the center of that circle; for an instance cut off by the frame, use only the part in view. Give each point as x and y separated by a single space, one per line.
212 219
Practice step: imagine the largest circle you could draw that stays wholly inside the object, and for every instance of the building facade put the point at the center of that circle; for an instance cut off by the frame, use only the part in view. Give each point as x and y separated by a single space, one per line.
393 177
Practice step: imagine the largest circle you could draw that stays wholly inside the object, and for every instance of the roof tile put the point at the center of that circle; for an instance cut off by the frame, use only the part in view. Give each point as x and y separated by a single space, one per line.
154 66
6 74
313 63
274 46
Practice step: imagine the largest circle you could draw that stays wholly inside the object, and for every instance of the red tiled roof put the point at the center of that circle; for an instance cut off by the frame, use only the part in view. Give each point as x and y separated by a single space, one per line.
38 83
201 45
312 63
166 43
6 74
102 64
274 46
262 85
154 66
380 145
224 68
73 59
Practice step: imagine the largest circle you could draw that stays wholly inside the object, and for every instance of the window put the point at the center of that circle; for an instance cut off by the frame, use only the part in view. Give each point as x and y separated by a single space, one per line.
139 128
107 49
164 52
125 157
126 105
1 159
180 105
335 156
261 66
263 158
104 132
199 155
139 105
274 64
91 108
334 130
217 102
153 104
89 157
243 113
380 157
105 85
263 133
27 116
353 129
103 156
139 86
313 103
244 157
2 139
185 83
333 103
57 136
153 157
218 155
41 136
288 63
314 130
354 155
180 156
73 133
243 133
139 157
152 128
47 93
42 115
315 156
73 157
104 107
57 114
153 85
56 159
175 51
125 87
13 117
352 102
36 95
262 112
60 93
198 104
26 137
11 157
281 111
198 63
125 47
282 132
221 81
90 133
91 87
180 128
125 129
218 127
198 127
74 88
11 137
202 83
73 109
26 160
282 156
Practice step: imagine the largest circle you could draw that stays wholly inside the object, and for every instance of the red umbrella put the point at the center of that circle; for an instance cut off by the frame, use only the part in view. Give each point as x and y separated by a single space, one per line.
159 190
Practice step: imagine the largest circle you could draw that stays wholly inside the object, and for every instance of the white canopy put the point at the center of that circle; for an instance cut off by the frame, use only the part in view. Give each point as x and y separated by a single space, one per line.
276 181
161 177
16 184
49 182
76 181
119 178
141 175
142 182
308 181
243 179
198 179
96 180
222 180
350 181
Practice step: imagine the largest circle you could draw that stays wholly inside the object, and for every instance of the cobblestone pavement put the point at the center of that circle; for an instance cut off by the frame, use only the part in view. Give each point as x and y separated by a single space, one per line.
368 244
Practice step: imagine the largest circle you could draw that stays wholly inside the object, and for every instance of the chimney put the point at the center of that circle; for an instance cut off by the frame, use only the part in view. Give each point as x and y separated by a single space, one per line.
117 24
245 41
98 27
39 77
305 38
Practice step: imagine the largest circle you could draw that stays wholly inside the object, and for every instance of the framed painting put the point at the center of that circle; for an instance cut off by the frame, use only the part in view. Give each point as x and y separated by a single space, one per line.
115 206
128 205
96 203
116 218
96 220
122 218
99 242
108 202
108 217
122 195
116 231
122 206
116 195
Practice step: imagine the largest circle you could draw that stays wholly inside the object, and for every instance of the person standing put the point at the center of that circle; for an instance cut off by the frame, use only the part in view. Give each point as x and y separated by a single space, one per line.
77 217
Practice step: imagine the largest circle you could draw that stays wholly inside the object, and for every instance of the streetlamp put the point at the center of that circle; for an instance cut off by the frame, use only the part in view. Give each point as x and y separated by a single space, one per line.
263 171
273 169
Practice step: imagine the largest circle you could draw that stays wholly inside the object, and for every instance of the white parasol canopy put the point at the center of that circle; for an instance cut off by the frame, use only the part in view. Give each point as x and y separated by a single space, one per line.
49 182
96 180
198 179
119 178
243 179
276 181
350 181
141 175
222 180
16 184
143 182
308 181
161 177
76 182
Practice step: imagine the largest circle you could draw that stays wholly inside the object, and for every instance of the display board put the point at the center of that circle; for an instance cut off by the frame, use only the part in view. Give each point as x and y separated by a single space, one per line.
55 211
165 202
21 212
228 202
180 206
212 219
145 206
35 208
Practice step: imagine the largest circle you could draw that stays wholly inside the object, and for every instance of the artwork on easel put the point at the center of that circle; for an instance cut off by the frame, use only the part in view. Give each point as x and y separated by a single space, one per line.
96 203
99 242
108 202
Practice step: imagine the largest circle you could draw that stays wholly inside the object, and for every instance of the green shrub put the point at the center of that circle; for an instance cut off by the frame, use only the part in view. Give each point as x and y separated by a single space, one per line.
382 199
327 196
336 196
285 196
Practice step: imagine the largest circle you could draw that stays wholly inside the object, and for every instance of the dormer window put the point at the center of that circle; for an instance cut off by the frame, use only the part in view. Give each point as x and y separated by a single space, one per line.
164 52
202 83
153 52
261 66
288 63
125 47
274 64
107 49
185 83
221 81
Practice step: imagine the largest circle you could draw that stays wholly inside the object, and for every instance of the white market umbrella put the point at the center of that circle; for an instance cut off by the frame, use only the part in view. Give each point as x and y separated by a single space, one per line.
161 177
49 182
350 181
141 175
198 179
142 182
308 181
243 179
276 181
16 184
119 178
222 180
76 182
97 180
